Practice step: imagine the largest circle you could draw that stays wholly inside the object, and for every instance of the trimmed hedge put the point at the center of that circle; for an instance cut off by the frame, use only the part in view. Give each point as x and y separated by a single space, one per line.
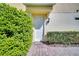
15 31
70 37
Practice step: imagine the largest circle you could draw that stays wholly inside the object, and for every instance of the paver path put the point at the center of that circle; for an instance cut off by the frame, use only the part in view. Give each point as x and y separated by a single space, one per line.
41 49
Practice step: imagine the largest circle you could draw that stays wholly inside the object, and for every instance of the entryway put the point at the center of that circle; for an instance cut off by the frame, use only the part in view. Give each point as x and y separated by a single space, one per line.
38 22
39 12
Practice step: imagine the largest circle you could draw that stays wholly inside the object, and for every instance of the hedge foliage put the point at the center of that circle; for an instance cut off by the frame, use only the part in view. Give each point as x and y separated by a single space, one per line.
70 37
15 31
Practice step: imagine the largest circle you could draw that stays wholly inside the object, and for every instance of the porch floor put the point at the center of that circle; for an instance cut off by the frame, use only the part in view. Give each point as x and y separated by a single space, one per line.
41 49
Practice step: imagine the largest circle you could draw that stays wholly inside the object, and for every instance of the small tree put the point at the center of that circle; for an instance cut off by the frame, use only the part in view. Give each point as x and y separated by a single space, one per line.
15 31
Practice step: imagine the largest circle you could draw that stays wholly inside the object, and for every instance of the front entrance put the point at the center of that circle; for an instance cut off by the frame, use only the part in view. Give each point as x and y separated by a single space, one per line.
38 22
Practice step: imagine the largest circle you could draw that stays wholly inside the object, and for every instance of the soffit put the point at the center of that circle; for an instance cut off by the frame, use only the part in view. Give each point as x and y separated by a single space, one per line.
39 9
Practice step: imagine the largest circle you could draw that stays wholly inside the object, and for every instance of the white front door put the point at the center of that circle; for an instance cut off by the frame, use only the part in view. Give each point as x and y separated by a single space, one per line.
38 28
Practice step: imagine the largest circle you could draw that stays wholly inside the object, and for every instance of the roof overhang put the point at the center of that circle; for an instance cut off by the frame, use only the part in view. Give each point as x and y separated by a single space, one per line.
39 8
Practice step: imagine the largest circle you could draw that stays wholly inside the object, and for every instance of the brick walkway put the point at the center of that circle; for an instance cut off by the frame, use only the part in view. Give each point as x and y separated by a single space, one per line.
40 49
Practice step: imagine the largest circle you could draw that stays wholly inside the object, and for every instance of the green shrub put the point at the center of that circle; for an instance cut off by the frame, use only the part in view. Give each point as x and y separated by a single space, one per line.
63 37
15 31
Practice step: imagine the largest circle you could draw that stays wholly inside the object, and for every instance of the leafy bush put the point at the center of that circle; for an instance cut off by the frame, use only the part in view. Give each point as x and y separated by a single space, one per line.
15 31
63 37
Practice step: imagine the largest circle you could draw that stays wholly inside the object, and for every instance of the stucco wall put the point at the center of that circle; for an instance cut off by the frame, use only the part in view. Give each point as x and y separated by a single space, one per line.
62 18
19 6
65 7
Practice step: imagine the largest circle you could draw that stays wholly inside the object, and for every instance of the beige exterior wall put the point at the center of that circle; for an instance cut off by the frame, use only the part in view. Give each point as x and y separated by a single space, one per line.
65 7
19 6
62 18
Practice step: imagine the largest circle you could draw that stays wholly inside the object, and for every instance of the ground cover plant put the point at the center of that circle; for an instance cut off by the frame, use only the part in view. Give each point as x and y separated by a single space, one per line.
66 37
